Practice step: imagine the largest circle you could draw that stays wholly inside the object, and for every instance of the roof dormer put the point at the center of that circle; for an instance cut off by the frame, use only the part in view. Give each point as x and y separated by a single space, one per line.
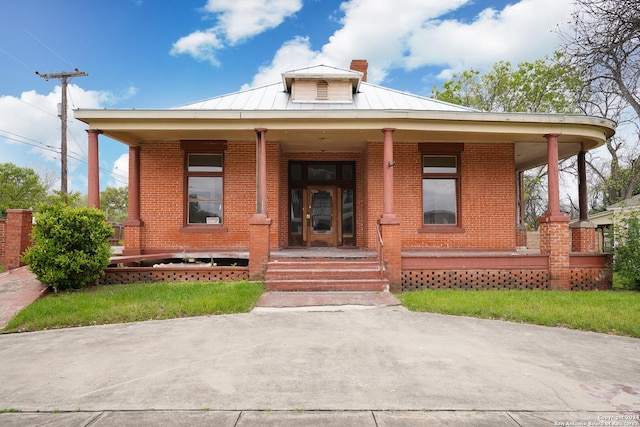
322 84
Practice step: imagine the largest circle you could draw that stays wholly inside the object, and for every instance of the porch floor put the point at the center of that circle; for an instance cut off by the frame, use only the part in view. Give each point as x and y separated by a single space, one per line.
323 252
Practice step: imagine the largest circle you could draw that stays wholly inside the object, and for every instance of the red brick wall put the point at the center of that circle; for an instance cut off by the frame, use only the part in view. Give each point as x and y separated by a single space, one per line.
17 236
554 241
584 239
488 194
162 204
487 197
374 183
3 230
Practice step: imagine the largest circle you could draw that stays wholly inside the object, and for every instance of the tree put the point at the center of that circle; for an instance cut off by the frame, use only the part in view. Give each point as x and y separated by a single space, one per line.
549 85
626 249
70 247
115 201
604 43
20 188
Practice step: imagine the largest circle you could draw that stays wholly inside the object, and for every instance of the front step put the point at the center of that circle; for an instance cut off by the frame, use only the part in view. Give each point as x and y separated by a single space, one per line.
325 274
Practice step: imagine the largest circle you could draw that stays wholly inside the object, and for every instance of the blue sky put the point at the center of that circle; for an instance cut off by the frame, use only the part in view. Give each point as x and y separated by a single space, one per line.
162 54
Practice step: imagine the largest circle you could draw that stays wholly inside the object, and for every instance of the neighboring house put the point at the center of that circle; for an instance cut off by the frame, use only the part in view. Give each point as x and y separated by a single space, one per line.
324 159
606 220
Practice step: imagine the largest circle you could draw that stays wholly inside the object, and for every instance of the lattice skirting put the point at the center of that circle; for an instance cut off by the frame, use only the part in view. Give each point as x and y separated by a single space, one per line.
413 280
589 279
124 275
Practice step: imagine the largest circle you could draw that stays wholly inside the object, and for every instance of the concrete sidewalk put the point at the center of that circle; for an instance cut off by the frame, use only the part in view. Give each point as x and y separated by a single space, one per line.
381 366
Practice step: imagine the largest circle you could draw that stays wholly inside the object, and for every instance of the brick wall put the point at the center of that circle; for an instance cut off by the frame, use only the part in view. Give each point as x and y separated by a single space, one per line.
162 204
555 242
17 236
488 194
3 230
487 197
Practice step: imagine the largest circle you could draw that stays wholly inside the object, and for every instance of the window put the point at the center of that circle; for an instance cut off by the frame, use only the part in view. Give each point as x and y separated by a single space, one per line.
322 89
204 182
441 184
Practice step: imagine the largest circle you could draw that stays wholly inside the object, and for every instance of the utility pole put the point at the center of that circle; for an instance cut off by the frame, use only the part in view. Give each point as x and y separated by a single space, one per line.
64 77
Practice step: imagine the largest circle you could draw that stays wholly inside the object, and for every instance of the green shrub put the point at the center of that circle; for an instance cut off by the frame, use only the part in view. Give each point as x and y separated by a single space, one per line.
70 248
626 250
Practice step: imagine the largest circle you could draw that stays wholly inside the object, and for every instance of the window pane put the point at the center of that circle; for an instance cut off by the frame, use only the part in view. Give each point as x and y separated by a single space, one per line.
347 172
321 211
295 172
205 162
439 164
322 172
205 200
439 201
205 187
347 212
205 212
295 226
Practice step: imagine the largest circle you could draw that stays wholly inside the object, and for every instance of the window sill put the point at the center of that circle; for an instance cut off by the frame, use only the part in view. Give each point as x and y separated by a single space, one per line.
204 229
440 229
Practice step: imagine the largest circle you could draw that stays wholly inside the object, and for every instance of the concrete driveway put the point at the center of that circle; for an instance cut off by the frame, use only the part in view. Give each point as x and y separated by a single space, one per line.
378 366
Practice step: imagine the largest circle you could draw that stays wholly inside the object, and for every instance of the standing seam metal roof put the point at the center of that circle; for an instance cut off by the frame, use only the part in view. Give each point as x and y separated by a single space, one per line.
274 97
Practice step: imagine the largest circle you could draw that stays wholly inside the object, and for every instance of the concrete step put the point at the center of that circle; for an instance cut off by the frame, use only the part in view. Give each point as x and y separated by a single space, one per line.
319 285
325 274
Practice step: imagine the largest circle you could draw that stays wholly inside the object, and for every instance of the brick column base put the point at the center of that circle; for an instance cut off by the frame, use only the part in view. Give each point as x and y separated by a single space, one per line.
259 229
584 237
132 237
392 251
18 236
521 236
554 241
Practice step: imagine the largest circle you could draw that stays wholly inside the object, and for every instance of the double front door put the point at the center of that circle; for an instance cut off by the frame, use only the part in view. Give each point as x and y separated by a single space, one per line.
321 203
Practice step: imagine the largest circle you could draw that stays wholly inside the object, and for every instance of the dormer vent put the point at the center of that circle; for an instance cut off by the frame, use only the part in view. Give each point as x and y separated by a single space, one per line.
322 90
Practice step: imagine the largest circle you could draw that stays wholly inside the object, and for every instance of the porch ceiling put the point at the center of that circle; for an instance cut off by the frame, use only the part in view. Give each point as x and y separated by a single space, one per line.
340 132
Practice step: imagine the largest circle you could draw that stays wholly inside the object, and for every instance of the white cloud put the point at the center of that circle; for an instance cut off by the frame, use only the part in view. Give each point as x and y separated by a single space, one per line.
294 54
120 172
30 131
236 21
201 45
409 34
379 31
522 31
240 20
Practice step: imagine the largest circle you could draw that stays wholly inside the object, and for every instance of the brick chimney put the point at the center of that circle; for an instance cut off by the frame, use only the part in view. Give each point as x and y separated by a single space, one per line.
360 65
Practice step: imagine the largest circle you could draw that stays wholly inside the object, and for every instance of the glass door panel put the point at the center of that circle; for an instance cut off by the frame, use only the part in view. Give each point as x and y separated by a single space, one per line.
348 226
322 213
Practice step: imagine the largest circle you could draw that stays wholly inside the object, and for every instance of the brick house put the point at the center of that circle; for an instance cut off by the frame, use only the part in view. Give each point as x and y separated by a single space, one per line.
323 159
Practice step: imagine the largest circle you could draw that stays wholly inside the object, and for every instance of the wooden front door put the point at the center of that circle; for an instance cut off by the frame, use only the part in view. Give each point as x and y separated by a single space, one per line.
322 216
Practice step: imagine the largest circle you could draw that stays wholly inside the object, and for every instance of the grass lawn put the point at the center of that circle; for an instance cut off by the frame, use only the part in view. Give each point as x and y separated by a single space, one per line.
135 302
611 312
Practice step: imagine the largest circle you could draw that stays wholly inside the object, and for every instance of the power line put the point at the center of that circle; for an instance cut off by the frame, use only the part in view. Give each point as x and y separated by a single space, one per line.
46 46
42 146
64 77
15 59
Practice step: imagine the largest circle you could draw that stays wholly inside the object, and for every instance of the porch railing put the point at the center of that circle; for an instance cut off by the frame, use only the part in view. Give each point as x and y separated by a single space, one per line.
380 245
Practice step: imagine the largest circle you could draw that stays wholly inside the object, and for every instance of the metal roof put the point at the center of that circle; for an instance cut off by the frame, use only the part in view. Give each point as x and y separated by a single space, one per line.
276 96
